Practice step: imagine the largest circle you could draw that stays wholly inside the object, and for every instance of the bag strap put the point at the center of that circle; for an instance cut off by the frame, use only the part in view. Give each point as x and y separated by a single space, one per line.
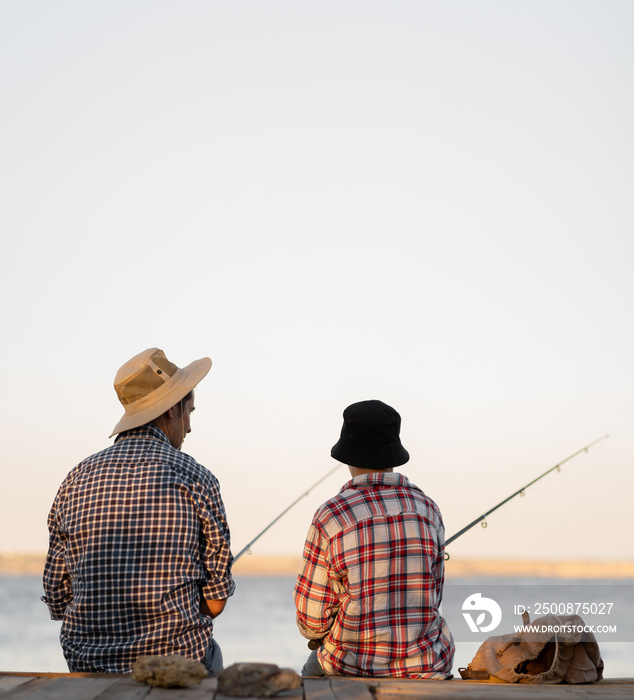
468 674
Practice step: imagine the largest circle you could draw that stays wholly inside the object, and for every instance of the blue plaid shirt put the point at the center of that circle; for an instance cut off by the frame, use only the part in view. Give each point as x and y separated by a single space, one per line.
138 534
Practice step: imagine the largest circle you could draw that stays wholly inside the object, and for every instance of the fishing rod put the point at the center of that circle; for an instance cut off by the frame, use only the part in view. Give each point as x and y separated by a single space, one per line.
482 518
297 500
247 548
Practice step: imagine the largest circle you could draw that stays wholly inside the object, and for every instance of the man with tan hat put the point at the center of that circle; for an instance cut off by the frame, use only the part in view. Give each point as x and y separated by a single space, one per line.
139 558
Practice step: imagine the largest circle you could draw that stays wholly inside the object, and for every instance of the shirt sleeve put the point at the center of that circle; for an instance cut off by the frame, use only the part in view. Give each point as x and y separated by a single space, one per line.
315 600
57 586
215 544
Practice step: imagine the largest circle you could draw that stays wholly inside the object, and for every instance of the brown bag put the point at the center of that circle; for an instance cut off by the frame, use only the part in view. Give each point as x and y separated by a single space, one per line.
557 649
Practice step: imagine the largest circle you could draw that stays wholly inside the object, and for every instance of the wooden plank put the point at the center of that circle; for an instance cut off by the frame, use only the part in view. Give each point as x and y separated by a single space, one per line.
10 682
336 688
346 689
457 689
617 681
125 689
62 688
296 694
22 686
203 691
44 674
318 689
474 690
24 690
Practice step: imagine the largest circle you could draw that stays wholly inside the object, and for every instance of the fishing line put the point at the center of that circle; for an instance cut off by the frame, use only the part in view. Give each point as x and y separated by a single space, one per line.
297 500
482 518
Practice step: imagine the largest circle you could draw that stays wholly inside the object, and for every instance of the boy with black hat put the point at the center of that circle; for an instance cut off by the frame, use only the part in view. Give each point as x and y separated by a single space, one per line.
370 586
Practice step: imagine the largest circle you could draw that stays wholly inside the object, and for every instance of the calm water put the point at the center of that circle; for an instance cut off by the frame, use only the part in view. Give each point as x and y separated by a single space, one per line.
258 625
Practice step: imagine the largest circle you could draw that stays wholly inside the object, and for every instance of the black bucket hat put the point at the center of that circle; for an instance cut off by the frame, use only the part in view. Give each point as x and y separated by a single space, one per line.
370 437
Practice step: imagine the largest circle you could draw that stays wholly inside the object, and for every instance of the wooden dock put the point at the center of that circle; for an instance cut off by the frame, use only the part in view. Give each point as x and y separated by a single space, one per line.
97 686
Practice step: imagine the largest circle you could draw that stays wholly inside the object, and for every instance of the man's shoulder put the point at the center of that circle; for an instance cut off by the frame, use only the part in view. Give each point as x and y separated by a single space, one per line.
188 465
104 456
179 462
142 447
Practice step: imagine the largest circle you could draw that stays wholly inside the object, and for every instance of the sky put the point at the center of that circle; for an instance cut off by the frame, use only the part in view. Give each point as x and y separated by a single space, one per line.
420 202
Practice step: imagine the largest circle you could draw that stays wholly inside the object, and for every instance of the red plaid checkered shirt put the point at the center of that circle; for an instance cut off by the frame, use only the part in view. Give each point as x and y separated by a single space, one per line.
371 581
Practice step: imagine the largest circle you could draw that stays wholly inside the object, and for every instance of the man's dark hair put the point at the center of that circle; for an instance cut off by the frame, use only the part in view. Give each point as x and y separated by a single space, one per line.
184 400
180 404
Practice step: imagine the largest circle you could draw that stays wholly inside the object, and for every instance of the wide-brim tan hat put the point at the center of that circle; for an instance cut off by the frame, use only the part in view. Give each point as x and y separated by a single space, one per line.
149 384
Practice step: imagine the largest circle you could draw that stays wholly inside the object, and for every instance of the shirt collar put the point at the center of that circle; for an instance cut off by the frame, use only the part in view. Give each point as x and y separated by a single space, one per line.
149 430
376 479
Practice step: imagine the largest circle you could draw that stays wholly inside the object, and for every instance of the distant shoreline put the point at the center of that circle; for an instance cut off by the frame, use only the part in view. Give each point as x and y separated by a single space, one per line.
262 565
32 563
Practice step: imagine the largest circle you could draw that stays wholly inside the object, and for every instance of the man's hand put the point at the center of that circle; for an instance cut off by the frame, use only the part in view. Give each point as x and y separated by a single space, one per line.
212 608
